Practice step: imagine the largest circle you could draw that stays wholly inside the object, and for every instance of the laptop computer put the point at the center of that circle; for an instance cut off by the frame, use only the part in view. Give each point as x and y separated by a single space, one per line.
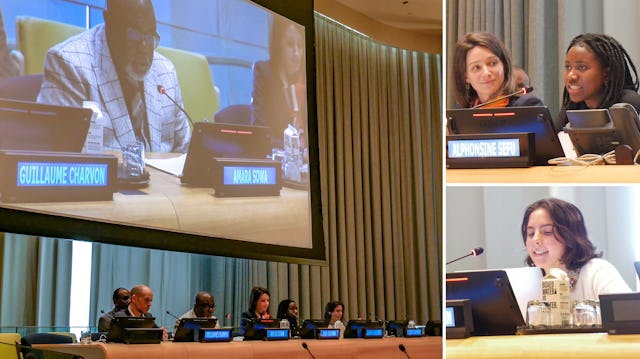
209 140
494 305
134 330
188 326
34 126
309 326
531 119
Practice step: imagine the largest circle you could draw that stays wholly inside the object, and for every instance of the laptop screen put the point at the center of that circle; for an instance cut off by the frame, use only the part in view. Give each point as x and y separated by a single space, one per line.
533 119
119 324
493 304
38 127
186 327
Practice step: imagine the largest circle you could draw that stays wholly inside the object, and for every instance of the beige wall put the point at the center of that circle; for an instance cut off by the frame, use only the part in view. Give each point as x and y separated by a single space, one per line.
379 31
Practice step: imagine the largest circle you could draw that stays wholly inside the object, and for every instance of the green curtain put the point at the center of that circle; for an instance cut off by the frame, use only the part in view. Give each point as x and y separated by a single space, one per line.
380 140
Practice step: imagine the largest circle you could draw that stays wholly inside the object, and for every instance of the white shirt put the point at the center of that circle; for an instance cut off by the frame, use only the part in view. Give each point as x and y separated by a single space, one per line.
597 277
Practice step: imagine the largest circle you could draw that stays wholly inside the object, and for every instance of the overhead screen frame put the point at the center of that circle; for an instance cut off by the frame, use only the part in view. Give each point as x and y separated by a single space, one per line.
53 225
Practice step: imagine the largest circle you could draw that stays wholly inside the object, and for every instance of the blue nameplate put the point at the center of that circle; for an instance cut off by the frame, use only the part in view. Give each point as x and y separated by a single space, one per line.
209 335
234 177
413 332
37 176
490 150
372 332
327 333
277 334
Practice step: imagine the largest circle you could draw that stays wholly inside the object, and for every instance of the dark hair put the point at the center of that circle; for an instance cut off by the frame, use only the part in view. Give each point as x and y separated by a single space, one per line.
279 26
256 292
568 228
615 59
330 307
116 296
283 308
465 94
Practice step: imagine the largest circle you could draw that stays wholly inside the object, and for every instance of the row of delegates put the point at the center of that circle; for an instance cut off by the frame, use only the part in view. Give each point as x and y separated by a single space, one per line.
555 236
116 66
598 73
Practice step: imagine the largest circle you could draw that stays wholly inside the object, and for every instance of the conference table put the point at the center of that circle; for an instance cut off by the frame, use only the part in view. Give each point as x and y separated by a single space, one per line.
546 174
389 347
165 203
566 346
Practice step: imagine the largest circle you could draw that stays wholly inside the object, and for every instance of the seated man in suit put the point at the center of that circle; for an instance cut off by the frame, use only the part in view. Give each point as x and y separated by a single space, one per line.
141 299
116 66
121 300
203 308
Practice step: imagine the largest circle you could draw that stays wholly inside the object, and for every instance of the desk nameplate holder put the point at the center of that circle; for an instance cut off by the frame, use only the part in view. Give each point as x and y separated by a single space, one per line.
277 334
243 177
327 333
458 319
495 150
212 335
40 176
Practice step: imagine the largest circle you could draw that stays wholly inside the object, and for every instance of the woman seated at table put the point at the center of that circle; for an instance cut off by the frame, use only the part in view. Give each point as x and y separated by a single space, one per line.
483 73
288 310
333 312
555 236
258 307
597 74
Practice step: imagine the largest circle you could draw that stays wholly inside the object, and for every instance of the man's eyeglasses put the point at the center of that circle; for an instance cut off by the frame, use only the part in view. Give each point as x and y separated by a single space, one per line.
137 37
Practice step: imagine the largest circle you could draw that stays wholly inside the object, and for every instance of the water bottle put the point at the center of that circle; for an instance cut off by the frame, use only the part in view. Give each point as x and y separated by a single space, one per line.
284 324
411 324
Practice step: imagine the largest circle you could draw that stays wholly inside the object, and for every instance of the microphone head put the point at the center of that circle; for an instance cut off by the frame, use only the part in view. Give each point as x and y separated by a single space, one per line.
101 311
168 312
402 348
526 90
161 89
304 345
477 251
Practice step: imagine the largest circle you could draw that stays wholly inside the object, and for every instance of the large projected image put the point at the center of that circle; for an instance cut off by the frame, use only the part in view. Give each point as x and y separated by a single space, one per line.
231 172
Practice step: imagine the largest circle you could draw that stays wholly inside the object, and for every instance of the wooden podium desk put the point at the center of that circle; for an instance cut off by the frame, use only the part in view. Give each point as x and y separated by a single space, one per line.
546 174
167 204
566 346
387 348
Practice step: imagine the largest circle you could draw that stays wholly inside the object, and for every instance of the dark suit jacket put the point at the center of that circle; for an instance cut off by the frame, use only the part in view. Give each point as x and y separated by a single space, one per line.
270 106
628 96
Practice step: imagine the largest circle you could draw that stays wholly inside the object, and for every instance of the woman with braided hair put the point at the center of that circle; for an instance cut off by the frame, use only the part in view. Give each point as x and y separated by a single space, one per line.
598 73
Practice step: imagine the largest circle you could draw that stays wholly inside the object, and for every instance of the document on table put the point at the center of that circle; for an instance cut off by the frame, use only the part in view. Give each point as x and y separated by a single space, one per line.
172 165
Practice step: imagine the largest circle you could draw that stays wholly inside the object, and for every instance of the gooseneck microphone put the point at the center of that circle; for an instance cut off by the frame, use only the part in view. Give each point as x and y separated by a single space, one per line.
404 350
522 91
163 91
474 252
306 347
171 314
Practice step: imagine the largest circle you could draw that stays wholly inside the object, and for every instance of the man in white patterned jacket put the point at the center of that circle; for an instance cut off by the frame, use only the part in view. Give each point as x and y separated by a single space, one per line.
116 66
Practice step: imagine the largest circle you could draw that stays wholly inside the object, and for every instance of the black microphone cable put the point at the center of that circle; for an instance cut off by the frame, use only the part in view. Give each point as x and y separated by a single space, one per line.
404 350
522 91
163 91
306 347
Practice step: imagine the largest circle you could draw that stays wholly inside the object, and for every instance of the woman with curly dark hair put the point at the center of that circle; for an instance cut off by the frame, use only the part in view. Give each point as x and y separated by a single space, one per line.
555 236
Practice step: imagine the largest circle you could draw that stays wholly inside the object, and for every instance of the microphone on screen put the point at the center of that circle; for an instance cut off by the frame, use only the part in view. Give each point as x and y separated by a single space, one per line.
404 350
306 347
163 91
171 314
101 311
474 252
522 91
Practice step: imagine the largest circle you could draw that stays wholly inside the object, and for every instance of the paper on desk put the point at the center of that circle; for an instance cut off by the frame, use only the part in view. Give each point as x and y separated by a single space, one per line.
173 165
